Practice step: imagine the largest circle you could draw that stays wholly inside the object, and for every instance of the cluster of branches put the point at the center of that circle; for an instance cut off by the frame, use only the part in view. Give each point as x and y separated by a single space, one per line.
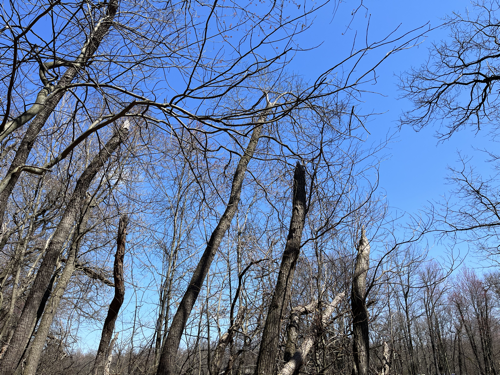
180 119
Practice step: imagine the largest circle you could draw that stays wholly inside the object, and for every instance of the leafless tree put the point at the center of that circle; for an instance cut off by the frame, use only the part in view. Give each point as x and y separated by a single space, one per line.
456 89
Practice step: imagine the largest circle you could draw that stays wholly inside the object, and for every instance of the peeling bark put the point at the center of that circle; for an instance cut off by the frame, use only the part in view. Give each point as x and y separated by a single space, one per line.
361 350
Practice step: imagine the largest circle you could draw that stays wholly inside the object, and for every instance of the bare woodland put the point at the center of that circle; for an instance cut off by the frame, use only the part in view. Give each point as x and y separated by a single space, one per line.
176 199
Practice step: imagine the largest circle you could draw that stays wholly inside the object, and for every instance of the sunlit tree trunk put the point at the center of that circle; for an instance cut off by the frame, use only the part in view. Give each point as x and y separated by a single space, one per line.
360 339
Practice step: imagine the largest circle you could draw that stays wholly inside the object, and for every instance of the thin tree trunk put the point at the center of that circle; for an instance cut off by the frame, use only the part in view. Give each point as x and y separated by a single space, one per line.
225 339
386 359
116 303
359 311
268 352
27 320
171 343
292 331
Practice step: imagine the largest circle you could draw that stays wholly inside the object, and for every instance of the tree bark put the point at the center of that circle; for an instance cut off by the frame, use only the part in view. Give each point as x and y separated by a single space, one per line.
110 355
292 331
224 341
36 347
293 365
166 365
27 320
386 359
268 352
359 311
116 303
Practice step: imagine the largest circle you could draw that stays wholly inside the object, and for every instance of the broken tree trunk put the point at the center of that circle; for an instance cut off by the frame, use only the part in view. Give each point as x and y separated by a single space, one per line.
386 360
110 355
292 332
224 341
268 352
116 303
361 345
293 365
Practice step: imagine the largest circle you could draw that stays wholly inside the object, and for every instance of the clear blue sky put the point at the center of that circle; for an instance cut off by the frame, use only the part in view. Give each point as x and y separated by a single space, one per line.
415 170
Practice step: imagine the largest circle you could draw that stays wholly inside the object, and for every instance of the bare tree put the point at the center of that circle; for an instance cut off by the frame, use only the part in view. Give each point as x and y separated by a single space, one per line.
361 341
456 89
268 352
292 366
27 321
170 346
115 305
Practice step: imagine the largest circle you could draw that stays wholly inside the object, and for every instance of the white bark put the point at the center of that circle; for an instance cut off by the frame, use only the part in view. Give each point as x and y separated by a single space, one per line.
300 355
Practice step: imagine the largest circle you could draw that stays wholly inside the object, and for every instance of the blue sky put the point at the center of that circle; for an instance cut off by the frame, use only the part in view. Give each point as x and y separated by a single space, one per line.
415 169
416 164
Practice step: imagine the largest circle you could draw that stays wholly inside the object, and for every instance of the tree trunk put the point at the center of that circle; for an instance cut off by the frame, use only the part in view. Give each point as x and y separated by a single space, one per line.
386 359
36 348
268 352
110 355
27 320
224 341
292 331
53 96
293 365
171 343
116 303
359 311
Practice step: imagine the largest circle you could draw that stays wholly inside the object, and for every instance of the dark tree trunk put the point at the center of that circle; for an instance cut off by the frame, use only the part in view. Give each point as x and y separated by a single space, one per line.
268 352
28 316
171 344
116 303
361 351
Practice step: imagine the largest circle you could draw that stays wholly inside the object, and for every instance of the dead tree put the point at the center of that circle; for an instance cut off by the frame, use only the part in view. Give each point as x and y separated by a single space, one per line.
268 351
116 303
292 366
361 347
